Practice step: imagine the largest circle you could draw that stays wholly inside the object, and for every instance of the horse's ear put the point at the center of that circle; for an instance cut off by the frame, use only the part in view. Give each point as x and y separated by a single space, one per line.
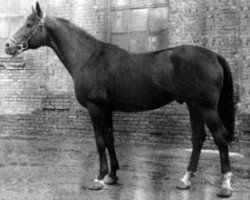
39 11
33 9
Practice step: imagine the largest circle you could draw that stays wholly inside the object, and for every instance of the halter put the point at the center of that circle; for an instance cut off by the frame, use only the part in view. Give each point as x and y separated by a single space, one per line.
23 45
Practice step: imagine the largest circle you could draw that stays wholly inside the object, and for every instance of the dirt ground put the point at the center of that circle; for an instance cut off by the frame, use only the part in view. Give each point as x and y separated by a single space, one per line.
56 167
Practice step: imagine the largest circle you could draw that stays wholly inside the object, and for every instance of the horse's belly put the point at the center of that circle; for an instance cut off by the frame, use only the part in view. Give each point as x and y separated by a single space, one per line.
141 101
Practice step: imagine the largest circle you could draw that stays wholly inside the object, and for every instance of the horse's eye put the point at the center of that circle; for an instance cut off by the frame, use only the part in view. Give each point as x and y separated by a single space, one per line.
28 25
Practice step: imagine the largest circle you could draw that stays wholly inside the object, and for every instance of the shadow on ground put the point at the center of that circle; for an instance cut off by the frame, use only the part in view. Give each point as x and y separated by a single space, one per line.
55 167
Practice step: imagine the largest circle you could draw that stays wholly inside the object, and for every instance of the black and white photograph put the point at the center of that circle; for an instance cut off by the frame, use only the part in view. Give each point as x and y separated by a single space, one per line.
124 99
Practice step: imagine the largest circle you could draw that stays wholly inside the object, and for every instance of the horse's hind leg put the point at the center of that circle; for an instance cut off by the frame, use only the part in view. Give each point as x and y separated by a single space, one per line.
213 121
198 137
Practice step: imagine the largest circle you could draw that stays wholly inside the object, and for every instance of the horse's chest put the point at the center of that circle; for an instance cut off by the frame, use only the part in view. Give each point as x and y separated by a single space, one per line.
89 90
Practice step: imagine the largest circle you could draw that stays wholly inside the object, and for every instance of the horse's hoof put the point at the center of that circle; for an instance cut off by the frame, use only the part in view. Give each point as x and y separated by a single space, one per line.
96 185
110 180
182 186
225 192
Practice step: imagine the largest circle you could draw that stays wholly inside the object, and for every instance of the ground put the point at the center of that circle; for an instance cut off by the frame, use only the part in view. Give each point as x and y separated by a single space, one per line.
56 167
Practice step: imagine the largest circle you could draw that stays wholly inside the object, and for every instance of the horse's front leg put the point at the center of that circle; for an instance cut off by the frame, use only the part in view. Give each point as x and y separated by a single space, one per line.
111 178
98 118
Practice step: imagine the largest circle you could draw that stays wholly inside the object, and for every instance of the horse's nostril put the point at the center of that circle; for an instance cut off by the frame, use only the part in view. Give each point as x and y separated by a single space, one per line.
7 44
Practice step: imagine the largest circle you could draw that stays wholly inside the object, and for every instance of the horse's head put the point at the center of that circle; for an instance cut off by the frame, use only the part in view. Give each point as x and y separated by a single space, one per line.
30 36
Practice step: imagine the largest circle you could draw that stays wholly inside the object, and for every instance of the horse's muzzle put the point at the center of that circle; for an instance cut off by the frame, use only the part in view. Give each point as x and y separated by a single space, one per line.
11 48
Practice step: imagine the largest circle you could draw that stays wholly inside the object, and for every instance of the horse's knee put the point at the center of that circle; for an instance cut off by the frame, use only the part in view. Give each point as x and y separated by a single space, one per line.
197 141
100 145
109 142
220 139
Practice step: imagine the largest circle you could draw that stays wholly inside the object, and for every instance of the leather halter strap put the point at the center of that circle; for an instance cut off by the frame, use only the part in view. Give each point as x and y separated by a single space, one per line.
23 44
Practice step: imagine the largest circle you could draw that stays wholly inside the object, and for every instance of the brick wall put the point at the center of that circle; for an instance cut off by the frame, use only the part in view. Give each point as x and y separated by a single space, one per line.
37 97
243 58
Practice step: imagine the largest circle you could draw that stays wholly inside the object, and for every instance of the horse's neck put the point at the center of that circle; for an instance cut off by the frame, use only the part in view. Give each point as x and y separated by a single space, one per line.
72 48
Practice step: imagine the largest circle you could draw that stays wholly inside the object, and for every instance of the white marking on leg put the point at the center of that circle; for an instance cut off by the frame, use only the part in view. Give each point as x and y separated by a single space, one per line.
186 178
99 181
226 180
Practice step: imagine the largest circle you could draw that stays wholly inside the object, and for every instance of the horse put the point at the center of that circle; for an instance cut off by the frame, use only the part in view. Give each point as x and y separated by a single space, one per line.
107 79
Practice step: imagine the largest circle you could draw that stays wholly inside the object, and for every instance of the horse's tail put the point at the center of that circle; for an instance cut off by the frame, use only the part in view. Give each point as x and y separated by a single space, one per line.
226 102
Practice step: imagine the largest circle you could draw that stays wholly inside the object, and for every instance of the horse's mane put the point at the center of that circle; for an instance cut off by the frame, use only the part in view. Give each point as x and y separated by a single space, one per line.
83 33
74 28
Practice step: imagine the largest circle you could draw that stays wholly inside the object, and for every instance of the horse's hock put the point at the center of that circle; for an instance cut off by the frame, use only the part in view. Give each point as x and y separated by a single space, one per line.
37 95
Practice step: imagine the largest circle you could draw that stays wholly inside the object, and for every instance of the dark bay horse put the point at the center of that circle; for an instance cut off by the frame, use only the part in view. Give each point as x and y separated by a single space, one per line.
108 78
